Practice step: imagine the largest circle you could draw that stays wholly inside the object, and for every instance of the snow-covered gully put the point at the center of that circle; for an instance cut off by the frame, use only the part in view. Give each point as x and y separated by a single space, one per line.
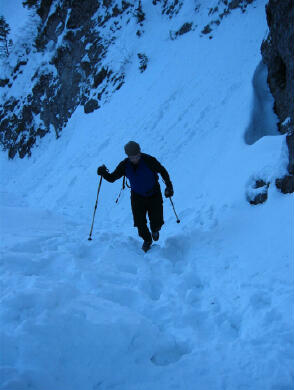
210 306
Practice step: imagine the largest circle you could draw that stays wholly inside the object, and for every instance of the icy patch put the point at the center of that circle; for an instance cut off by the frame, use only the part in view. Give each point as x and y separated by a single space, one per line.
263 120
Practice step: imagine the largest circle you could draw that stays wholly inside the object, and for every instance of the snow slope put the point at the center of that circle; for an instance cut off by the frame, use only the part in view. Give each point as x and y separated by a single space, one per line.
210 306
16 16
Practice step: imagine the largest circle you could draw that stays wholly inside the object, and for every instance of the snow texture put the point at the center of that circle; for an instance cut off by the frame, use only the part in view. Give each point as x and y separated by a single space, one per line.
210 307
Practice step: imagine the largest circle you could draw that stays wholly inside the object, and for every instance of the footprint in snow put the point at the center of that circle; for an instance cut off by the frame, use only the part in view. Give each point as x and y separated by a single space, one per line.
169 352
151 287
260 301
175 250
229 325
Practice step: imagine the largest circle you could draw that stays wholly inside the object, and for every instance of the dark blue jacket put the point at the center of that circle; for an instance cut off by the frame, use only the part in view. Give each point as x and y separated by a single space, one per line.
143 177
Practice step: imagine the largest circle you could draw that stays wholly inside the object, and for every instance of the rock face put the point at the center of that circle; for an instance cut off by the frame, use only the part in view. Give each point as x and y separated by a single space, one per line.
257 191
73 38
277 53
286 184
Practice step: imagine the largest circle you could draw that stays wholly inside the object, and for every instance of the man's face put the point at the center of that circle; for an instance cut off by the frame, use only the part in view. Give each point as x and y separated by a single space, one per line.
135 159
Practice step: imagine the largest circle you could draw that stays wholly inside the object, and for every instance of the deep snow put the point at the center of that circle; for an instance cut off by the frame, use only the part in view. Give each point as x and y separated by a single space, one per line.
210 306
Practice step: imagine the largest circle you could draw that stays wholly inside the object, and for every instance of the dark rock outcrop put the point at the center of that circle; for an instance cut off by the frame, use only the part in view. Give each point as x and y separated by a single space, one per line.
259 198
169 7
207 29
223 9
75 36
277 54
3 82
143 59
286 184
290 144
186 27
257 192
91 106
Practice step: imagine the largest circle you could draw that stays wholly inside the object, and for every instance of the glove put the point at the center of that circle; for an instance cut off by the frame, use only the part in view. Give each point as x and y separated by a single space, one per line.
102 170
168 192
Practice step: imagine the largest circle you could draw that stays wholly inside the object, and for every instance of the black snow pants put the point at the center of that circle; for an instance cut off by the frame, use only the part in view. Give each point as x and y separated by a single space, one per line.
153 205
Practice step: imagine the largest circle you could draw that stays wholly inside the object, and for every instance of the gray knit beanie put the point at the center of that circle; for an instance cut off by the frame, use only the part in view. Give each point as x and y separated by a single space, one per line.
132 148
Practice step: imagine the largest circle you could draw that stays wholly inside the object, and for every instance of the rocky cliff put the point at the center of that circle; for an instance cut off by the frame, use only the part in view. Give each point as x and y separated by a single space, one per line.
72 40
277 53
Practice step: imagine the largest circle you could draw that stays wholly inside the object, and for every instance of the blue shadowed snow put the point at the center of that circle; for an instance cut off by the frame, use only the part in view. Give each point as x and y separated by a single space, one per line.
263 120
209 307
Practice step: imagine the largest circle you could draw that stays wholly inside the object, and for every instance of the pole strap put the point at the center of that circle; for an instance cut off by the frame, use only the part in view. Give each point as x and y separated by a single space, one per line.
124 184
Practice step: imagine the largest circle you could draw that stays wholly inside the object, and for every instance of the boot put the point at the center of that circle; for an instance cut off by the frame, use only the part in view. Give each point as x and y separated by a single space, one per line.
155 236
146 246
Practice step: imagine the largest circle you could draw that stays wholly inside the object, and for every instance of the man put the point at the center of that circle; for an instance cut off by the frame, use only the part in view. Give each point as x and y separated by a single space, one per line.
142 171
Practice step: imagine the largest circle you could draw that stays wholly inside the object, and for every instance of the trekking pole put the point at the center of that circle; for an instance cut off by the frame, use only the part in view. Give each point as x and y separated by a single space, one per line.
99 186
178 221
